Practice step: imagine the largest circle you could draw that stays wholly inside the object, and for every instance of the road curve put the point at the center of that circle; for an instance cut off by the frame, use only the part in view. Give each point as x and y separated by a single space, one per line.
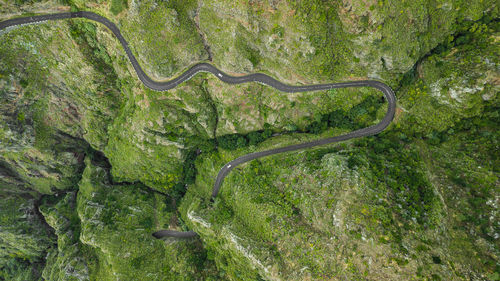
256 77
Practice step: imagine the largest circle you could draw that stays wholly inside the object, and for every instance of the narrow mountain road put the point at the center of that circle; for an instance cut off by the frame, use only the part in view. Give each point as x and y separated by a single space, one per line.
256 77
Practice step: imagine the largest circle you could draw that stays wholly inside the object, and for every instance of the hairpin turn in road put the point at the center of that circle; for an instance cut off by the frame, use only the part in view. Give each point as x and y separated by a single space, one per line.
256 77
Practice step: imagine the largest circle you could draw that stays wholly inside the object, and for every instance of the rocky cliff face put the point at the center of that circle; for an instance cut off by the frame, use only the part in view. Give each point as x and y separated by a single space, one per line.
92 162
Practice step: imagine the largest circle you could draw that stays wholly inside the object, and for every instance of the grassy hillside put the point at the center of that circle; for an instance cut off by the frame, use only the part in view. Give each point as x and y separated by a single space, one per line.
92 162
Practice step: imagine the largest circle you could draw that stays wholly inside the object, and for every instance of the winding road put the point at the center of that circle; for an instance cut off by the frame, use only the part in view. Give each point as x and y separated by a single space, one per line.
256 77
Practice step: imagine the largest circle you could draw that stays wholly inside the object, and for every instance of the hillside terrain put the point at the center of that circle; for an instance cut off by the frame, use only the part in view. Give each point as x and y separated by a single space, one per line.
92 162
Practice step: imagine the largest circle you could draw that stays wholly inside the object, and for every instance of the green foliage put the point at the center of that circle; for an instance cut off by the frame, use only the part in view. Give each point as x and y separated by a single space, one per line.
21 117
70 258
251 53
85 34
470 144
120 219
278 30
330 56
396 166
360 116
232 141
20 270
390 200
164 36
117 6
24 237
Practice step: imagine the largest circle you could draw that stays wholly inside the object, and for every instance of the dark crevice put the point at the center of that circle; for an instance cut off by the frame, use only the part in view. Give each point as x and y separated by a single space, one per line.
205 91
41 218
334 119
48 229
6 172
202 35
383 63
98 159
199 146
461 37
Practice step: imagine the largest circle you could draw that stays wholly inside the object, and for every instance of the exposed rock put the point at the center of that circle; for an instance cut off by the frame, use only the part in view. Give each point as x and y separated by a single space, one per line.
24 238
117 222
419 200
67 261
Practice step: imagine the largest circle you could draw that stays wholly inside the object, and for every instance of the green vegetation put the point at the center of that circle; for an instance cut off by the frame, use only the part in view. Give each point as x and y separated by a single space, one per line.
85 34
392 189
24 238
330 56
92 162
106 227
117 6
238 140
164 36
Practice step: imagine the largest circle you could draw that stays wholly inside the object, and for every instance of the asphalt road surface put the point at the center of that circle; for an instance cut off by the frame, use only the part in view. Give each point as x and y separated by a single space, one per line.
256 77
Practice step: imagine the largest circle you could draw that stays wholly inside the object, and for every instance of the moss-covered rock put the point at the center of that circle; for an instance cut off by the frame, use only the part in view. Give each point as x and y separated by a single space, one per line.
388 37
47 113
419 201
24 238
117 222
161 128
69 260
388 207
325 213
11 8
453 85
